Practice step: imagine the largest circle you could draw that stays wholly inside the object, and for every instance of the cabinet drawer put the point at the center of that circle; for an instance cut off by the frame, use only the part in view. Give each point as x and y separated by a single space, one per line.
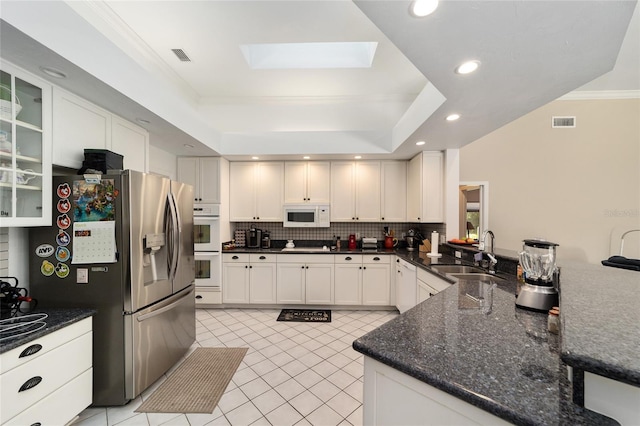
305 258
376 258
12 358
55 368
61 406
235 257
348 258
208 296
262 258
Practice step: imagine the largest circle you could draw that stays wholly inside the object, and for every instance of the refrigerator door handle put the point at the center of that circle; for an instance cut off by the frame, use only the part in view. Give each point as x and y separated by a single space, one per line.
164 309
173 236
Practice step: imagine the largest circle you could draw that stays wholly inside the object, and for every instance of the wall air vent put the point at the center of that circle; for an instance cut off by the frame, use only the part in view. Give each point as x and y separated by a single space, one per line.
181 55
563 122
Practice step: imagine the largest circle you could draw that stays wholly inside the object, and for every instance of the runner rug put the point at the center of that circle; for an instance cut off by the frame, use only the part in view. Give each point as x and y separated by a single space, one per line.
197 385
305 315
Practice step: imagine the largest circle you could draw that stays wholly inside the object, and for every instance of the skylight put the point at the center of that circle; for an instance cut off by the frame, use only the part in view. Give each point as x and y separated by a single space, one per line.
309 55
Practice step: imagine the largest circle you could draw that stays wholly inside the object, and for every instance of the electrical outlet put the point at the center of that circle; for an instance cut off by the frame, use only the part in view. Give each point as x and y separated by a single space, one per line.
403 235
458 254
82 276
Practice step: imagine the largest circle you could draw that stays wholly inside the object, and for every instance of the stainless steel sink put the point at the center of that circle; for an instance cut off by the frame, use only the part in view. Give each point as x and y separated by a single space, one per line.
314 249
476 277
457 269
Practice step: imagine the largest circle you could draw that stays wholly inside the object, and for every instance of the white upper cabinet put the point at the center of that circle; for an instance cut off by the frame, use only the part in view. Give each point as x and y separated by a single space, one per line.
307 182
25 149
355 191
425 188
256 191
203 173
393 195
79 125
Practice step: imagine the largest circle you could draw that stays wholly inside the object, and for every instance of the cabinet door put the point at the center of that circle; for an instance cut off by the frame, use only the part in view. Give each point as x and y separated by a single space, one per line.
393 191
367 175
130 141
433 187
242 199
376 284
188 173
343 193
295 182
348 284
424 291
270 192
262 283
25 149
77 124
208 186
235 282
291 283
320 286
319 182
414 189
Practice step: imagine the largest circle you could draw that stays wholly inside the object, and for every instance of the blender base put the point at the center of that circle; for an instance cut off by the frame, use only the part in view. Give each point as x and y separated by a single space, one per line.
537 298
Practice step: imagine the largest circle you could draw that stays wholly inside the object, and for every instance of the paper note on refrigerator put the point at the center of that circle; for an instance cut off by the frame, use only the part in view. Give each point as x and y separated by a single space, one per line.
94 242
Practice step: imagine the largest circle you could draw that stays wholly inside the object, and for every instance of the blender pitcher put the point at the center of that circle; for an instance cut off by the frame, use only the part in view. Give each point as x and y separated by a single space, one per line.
538 261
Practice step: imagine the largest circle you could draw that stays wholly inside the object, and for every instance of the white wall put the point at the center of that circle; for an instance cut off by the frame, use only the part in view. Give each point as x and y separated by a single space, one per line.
570 186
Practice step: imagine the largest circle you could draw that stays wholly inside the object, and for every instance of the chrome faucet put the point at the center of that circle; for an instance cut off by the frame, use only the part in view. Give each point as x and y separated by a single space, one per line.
491 267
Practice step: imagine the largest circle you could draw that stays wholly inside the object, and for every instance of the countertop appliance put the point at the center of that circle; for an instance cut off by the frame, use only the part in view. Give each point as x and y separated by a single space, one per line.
207 245
411 240
121 244
266 239
369 243
254 237
539 291
306 216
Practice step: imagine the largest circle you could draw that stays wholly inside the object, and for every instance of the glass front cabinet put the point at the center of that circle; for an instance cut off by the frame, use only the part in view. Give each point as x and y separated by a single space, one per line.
25 148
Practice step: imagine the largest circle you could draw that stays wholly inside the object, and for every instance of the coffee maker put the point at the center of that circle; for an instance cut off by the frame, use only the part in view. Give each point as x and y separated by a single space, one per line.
540 289
254 238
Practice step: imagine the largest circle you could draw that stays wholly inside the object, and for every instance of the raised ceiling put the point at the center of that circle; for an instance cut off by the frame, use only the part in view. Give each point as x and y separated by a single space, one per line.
118 54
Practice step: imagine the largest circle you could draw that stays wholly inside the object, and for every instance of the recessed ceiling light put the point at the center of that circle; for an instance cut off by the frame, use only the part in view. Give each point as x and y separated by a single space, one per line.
468 67
52 72
357 157
142 121
422 8
453 117
419 143
255 158
188 145
306 157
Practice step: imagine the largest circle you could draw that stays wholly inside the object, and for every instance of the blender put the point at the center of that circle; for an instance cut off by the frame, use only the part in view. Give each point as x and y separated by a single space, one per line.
539 291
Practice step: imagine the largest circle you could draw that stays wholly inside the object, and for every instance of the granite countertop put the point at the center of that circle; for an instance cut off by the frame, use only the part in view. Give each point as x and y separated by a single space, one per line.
600 319
55 320
503 361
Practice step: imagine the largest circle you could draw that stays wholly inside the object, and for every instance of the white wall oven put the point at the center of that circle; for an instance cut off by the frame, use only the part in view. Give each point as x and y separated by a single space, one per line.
206 229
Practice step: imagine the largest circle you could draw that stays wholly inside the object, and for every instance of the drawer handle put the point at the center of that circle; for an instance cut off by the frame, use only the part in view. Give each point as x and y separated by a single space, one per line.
33 349
37 424
347 258
198 297
235 257
376 258
262 258
31 383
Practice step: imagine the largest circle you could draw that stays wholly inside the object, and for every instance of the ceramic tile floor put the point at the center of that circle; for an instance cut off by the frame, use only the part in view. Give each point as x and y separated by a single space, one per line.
293 373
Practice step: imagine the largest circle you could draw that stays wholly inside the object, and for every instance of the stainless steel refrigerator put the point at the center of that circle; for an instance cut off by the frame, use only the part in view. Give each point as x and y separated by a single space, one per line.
123 245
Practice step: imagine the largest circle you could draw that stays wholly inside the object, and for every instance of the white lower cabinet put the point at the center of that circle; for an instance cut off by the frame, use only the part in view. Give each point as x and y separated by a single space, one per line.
348 279
428 285
248 278
51 385
376 280
305 279
394 398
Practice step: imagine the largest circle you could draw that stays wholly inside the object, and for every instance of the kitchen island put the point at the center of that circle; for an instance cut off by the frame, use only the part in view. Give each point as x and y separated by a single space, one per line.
499 359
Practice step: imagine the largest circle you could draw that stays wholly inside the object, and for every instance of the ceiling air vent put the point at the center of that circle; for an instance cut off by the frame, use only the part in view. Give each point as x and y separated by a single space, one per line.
563 122
181 55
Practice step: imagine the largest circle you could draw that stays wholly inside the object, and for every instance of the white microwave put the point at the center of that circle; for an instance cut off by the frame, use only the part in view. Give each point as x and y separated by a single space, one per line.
306 216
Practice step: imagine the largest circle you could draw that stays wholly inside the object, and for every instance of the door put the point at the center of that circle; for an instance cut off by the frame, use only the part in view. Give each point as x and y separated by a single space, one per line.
368 191
242 195
319 284
376 284
206 233
159 336
184 274
235 284
348 284
343 194
291 283
262 283
145 199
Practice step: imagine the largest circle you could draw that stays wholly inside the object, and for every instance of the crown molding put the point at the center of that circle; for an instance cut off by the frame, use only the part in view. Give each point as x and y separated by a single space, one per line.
600 94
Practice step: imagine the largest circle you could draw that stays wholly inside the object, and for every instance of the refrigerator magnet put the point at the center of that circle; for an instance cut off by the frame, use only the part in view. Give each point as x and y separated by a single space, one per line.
63 239
63 221
47 268
64 205
44 250
62 270
62 254
63 190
